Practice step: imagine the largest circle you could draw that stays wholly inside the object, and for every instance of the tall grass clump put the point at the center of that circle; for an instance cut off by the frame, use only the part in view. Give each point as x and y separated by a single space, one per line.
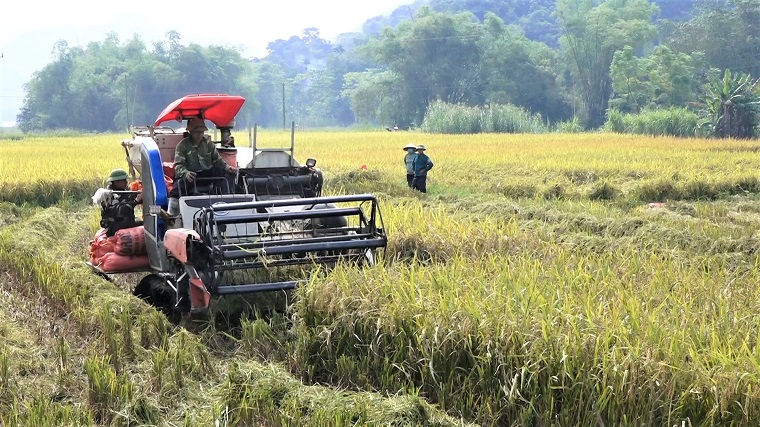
570 126
113 398
429 235
108 391
7 388
447 118
265 339
635 331
680 122
255 394
515 341
41 411
189 359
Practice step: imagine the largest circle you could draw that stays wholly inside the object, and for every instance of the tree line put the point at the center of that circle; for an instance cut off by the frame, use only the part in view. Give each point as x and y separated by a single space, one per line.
563 60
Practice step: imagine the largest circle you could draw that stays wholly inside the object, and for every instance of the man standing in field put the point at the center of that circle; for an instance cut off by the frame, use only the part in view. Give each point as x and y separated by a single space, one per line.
196 157
421 165
408 158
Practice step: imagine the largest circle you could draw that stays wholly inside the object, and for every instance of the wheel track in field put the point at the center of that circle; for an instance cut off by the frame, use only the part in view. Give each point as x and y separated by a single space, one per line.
42 342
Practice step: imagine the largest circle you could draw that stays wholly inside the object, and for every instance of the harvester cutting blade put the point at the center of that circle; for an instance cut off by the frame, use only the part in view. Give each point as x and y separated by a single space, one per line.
265 235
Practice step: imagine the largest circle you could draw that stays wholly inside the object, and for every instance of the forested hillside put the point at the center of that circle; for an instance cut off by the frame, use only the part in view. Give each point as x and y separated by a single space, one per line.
558 61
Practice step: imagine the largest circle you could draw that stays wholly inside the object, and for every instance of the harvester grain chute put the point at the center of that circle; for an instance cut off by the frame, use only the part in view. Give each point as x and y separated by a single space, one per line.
274 219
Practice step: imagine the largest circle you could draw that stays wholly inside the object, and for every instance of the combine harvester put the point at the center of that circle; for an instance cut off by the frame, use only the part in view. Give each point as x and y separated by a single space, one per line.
274 218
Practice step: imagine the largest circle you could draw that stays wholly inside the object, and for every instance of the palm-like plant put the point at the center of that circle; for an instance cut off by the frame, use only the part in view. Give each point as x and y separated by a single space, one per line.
732 105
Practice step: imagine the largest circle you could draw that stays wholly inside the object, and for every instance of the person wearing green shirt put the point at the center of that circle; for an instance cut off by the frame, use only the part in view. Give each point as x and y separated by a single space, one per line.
421 164
196 157
118 209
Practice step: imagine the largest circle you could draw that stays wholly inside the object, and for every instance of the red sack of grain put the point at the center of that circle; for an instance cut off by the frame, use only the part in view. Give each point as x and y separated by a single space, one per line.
130 241
113 262
101 245
169 183
168 169
229 155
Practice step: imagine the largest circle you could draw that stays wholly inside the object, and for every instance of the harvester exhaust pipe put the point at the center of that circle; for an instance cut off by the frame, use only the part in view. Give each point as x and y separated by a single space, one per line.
292 143
226 132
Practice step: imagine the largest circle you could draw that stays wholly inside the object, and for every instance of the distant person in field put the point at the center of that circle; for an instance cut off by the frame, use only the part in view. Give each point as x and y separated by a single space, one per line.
421 164
408 158
117 208
196 157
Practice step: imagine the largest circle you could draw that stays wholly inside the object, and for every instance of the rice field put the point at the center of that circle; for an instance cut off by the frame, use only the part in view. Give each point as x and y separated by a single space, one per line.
553 279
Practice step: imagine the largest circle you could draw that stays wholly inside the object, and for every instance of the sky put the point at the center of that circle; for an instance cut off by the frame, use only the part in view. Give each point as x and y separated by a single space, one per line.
30 28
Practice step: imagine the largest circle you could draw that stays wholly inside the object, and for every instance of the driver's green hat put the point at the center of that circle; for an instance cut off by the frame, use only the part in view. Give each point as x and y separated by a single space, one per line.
117 175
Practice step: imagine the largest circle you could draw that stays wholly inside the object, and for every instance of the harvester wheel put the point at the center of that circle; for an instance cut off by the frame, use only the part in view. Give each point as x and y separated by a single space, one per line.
154 290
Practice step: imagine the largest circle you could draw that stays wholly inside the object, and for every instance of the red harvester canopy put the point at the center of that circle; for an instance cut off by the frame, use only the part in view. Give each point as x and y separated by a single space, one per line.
220 109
